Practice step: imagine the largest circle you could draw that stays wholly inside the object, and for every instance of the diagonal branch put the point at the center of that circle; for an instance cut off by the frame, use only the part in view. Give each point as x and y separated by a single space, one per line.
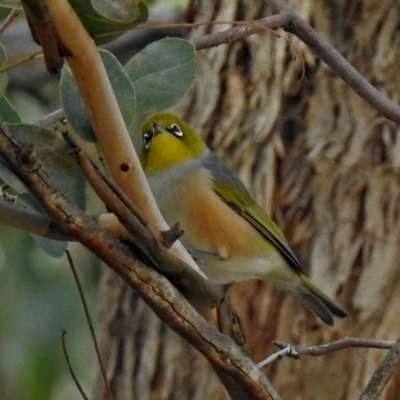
289 21
382 375
155 290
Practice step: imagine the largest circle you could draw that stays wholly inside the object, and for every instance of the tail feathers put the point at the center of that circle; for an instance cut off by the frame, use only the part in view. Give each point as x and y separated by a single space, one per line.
323 306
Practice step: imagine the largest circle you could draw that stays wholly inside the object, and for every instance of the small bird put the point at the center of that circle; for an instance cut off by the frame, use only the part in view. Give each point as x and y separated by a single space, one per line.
224 228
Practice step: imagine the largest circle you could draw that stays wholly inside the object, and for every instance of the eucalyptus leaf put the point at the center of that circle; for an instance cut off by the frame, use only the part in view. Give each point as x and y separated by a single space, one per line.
3 75
162 73
57 160
54 248
73 105
102 28
74 108
7 112
118 10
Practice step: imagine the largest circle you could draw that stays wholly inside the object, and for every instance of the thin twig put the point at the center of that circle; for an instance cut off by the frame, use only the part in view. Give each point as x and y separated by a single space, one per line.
241 31
19 62
71 371
51 118
294 351
9 20
90 323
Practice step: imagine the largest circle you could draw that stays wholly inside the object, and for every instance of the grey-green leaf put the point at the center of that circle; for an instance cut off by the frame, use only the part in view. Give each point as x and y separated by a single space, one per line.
104 27
53 248
57 160
117 10
162 73
7 112
3 75
73 105
74 108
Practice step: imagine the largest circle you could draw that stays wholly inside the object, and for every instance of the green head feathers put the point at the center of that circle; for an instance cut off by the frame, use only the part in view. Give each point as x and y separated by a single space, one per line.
168 141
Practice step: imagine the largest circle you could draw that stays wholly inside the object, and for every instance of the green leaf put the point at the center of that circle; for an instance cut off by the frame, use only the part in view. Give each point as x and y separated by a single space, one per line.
109 28
117 10
74 108
162 73
61 166
54 248
73 105
3 75
8 113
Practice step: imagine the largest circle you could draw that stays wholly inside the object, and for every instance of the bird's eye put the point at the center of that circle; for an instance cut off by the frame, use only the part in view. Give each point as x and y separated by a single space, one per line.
146 140
176 130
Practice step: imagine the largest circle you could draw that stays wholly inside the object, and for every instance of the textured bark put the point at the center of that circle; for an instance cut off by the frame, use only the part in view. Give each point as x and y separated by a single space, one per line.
326 166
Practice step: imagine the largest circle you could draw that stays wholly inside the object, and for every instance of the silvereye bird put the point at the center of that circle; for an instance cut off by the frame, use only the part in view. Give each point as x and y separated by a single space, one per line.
224 228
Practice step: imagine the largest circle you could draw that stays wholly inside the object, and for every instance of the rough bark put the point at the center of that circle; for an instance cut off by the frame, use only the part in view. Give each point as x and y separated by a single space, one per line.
326 166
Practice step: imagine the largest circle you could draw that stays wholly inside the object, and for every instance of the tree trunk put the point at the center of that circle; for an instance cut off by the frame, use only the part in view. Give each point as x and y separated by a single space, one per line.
326 166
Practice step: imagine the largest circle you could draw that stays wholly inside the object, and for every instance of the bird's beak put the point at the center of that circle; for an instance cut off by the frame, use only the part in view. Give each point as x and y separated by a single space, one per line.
157 128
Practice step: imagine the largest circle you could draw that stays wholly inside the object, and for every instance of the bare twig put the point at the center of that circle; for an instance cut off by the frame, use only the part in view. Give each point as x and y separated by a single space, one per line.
241 31
294 351
90 323
382 375
21 61
8 21
51 118
71 371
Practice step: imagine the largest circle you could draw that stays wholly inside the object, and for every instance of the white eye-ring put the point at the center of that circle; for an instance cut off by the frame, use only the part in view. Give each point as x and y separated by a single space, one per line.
147 140
176 130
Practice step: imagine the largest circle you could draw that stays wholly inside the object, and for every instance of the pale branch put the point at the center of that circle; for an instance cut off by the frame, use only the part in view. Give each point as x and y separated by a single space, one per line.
382 375
97 94
295 351
289 21
155 290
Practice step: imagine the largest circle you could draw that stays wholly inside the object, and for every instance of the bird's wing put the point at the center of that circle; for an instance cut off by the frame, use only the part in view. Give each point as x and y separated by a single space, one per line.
232 191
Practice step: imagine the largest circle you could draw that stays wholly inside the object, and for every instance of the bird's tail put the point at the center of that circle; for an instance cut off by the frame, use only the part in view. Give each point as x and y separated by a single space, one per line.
319 303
